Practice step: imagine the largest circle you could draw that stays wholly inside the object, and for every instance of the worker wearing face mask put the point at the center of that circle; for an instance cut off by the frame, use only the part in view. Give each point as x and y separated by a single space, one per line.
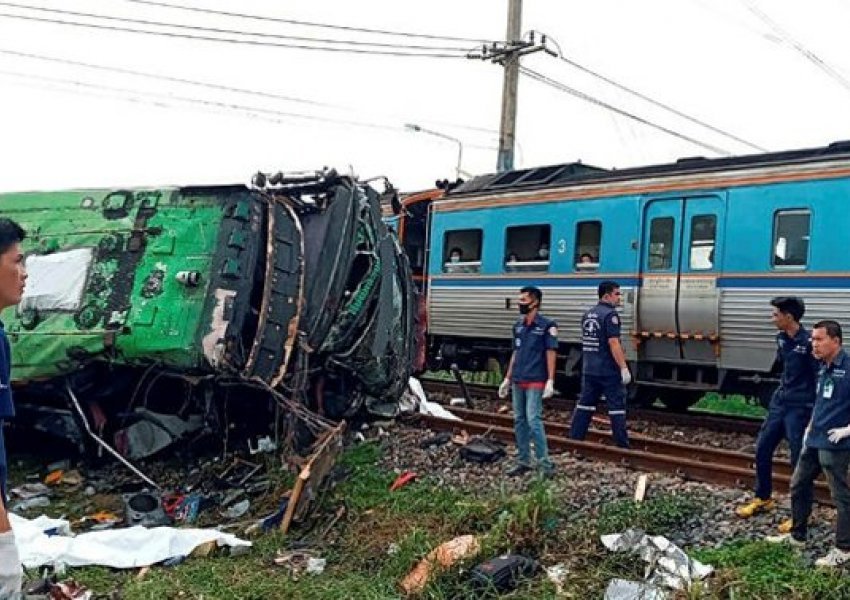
604 367
531 378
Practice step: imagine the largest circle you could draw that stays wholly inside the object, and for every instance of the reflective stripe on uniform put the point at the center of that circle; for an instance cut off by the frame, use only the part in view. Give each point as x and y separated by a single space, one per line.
590 408
616 412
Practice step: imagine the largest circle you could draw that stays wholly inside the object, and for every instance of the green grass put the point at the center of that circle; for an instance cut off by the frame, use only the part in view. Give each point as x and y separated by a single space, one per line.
537 522
729 405
762 570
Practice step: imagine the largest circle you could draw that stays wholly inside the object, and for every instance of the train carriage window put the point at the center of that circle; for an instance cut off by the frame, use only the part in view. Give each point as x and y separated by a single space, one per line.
703 232
462 251
527 249
660 244
791 235
588 245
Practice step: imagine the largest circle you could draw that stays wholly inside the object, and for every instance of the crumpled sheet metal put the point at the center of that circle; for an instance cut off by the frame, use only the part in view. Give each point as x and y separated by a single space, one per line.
668 565
623 589
117 548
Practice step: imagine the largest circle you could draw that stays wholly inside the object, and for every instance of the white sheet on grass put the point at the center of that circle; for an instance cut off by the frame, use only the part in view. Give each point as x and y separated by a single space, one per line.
117 548
427 407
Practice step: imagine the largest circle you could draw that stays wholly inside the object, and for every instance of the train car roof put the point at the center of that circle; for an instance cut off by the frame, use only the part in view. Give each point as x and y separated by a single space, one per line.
552 176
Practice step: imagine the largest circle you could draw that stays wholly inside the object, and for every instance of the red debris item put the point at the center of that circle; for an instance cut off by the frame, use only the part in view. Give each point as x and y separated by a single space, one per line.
402 480
171 503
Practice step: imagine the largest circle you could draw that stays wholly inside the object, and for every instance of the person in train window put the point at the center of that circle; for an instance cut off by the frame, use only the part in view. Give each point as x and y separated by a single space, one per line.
510 262
791 404
543 251
453 264
586 259
604 368
531 378
826 446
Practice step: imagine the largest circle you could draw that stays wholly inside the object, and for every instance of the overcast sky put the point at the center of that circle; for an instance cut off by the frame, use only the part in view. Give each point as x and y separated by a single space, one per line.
775 74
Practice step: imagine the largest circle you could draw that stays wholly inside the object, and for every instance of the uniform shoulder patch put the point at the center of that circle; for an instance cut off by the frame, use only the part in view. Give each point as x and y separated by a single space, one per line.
615 319
553 331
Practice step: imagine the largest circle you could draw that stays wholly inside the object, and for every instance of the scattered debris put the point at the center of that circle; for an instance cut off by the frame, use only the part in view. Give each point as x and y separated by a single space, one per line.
640 488
237 510
482 450
440 439
623 589
503 572
668 565
300 561
69 590
402 480
30 503
444 555
128 548
144 509
264 444
30 490
239 472
557 574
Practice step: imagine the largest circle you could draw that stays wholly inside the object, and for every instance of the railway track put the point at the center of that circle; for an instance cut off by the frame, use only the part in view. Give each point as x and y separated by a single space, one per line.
710 465
714 422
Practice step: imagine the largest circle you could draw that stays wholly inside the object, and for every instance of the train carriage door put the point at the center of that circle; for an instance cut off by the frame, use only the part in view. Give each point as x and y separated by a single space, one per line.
698 304
657 328
678 301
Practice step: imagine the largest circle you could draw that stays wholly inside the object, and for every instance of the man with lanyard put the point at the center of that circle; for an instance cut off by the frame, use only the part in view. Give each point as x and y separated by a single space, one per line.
826 446
13 276
604 368
791 405
531 370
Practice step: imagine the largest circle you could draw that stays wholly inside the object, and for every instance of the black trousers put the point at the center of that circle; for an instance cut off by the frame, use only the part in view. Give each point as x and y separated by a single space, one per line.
813 462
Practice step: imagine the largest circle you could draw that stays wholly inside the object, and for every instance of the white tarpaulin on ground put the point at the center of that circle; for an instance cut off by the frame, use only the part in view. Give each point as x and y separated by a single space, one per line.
116 548
426 407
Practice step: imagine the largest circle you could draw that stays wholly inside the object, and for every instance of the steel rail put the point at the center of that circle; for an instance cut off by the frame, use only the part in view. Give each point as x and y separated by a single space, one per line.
708 469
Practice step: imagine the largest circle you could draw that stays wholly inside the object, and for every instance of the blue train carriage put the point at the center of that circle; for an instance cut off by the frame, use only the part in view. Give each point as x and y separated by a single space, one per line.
699 247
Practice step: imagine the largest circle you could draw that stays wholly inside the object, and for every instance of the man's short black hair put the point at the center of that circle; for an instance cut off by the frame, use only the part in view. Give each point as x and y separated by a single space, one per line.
10 233
833 328
456 249
790 305
534 292
606 287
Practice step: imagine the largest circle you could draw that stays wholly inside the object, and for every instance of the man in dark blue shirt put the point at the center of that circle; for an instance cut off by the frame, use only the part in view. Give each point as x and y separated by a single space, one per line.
530 378
826 446
791 405
13 276
604 368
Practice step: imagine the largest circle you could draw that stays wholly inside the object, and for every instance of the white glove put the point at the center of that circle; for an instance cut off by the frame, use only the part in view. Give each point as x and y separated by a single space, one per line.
505 388
839 433
549 390
625 376
11 575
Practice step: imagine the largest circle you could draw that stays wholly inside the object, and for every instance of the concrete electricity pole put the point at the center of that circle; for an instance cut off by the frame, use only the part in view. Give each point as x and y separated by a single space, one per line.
508 54
510 83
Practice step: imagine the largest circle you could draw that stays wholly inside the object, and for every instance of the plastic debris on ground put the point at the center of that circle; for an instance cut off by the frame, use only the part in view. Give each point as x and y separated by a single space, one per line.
298 562
668 565
444 555
503 573
402 480
623 589
46 541
557 574
426 407
237 510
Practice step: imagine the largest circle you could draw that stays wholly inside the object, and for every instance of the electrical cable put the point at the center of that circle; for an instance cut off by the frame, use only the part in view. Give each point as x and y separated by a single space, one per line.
311 23
588 98
217 30
232 40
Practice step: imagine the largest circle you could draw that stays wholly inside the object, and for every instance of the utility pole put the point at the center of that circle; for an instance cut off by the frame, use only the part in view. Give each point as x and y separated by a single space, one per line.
507 55
510 83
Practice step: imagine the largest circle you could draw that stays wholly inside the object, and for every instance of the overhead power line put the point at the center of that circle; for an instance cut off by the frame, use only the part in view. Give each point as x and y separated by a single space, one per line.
218 87
397 53
798 46
588 98
407 34
216 30
654 102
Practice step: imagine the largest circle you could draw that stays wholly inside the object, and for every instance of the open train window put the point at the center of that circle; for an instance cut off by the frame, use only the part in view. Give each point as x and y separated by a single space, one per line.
527 249
703 232
588 245
791 235
660 244
462 251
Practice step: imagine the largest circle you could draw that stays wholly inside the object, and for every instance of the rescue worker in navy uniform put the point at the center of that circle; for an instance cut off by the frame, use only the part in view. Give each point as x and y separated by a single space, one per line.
826 446
791 405
530 378
13 277
604 368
